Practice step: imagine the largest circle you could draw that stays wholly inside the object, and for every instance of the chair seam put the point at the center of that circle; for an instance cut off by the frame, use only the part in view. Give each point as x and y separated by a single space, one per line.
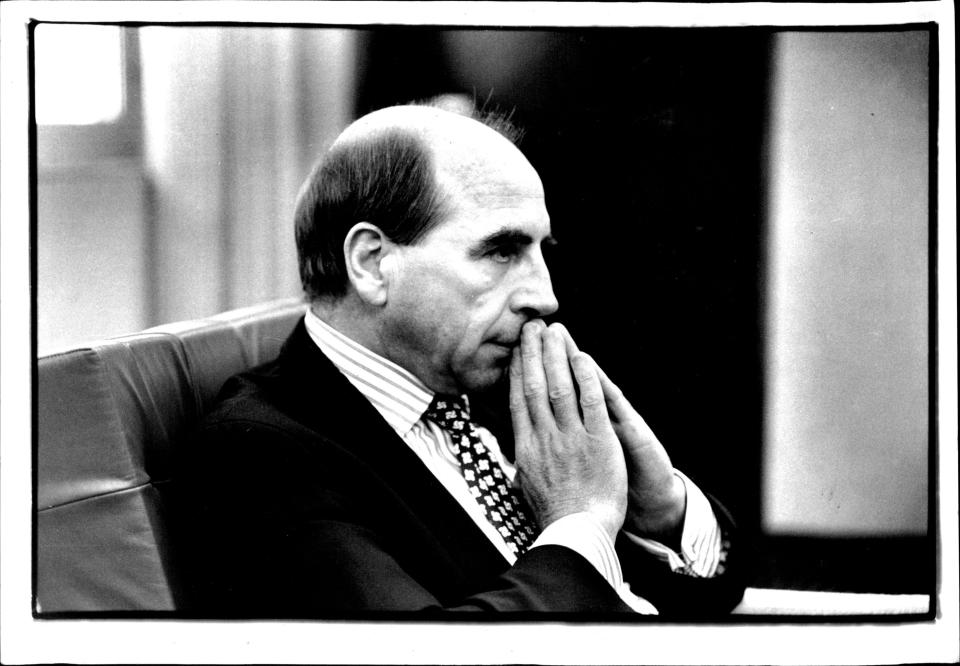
99 495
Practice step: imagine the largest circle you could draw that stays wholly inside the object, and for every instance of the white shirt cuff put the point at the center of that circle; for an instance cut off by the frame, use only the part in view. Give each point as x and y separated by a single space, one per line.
701 544
582 533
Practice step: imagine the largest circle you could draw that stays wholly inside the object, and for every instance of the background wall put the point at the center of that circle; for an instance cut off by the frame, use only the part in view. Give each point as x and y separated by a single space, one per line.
846 414
91 251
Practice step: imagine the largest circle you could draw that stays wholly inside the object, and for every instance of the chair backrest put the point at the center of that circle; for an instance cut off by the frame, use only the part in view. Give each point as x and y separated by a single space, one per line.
108 416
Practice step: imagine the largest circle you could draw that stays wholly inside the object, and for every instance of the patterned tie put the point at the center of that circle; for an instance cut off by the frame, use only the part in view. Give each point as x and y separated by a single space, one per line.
483 474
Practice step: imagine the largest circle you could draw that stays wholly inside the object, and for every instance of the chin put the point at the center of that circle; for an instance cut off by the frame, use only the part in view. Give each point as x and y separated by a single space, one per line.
486 379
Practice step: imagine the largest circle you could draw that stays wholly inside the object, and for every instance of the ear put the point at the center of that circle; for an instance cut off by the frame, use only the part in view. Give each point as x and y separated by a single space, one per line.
364 248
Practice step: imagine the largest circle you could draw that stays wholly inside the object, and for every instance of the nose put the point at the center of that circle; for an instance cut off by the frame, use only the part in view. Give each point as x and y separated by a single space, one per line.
534 295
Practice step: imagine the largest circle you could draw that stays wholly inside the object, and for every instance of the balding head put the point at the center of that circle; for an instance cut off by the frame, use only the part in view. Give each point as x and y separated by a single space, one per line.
432 124
393 168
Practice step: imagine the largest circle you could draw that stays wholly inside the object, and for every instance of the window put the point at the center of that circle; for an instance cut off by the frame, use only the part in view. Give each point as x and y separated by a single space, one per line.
79 74
87 93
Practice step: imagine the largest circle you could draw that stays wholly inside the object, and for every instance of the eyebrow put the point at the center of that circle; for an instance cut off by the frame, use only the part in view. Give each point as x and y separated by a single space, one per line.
507 237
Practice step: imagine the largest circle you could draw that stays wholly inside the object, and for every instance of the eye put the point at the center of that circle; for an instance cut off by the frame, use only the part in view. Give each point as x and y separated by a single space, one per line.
504 253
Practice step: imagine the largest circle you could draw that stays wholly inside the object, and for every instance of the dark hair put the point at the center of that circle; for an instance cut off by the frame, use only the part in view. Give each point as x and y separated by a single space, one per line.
386 179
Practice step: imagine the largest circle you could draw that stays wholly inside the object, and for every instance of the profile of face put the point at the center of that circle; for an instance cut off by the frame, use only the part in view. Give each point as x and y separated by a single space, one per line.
459 296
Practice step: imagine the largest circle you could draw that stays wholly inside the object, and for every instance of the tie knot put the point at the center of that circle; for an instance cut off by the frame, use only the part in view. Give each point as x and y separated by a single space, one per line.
448 412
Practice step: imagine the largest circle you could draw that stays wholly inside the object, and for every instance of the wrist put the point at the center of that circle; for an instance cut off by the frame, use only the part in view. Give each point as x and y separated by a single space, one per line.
658 514
611 519
607 515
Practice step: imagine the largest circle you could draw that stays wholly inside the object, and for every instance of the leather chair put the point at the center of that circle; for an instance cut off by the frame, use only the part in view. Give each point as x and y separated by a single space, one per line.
108 418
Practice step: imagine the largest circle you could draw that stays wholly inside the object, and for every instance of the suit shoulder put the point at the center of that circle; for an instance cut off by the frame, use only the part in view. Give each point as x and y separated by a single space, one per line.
253 397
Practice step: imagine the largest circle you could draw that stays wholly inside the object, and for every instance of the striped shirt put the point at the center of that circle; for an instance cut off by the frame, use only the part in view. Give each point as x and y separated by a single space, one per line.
401 399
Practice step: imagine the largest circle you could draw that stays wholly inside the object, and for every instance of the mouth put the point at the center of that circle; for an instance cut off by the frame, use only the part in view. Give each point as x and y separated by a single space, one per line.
502 349
505 343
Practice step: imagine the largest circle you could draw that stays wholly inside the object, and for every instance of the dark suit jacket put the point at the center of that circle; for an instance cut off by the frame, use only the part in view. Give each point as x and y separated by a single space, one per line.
298 500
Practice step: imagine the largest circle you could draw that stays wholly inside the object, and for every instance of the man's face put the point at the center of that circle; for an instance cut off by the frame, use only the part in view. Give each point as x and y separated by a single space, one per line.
459 297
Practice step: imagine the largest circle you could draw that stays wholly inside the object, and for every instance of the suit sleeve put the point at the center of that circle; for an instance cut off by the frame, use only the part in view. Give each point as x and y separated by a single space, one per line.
271 529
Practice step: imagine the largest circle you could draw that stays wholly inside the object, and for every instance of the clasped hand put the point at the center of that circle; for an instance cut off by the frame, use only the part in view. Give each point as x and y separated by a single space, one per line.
581 446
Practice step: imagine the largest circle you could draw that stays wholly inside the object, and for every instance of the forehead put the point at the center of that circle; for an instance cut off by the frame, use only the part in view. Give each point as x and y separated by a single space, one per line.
490 187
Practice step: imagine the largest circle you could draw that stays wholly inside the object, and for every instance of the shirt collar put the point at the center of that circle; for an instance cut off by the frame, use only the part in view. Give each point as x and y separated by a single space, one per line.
394 392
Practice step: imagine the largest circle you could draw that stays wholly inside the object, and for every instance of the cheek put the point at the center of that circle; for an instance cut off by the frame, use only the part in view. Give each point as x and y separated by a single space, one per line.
447 311
429 314
476 327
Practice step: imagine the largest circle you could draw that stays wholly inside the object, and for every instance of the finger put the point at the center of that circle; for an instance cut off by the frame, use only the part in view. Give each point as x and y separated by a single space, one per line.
522 429
560 389
613 393
622 412
592 403
534 379
616 401
572 348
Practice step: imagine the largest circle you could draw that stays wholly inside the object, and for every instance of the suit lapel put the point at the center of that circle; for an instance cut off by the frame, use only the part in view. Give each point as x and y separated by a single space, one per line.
317 395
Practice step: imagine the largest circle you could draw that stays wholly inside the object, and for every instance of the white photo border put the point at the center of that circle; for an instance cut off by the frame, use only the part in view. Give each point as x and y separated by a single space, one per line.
28 640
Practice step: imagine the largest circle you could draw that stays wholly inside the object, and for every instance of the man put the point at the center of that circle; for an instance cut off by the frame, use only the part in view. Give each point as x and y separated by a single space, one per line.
353 474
